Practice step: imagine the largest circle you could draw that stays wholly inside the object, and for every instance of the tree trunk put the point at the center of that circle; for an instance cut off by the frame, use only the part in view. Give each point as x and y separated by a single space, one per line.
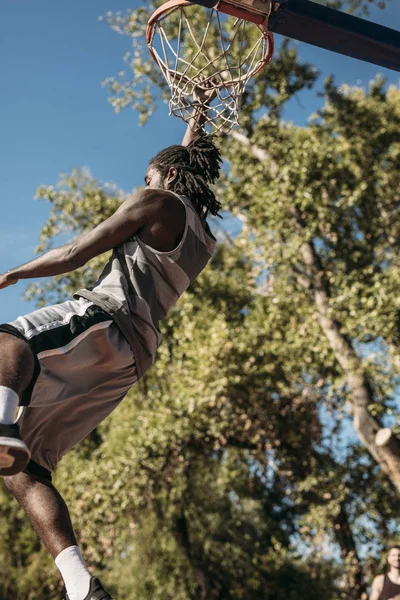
365 425
208 589
353 582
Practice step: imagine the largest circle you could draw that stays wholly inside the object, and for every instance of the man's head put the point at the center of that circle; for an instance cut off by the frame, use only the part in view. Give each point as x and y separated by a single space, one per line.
393 557
157 178
188 170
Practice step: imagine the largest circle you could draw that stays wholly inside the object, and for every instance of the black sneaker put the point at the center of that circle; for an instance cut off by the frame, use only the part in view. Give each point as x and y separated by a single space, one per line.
96 591
14 453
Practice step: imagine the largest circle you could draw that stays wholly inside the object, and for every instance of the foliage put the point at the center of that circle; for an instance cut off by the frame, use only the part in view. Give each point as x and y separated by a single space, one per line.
231 471
362 7
140 83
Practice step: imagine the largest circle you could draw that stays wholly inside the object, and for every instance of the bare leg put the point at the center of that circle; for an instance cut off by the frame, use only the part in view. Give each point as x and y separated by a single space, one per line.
50 518
41 501
17 363
45 509
17 366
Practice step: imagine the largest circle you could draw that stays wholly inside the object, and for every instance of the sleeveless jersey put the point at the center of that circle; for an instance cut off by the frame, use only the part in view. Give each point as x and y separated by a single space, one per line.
390 589
139 284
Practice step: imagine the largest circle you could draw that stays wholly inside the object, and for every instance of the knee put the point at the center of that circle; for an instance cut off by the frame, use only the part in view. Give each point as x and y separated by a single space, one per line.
22 484
17 365
17 349
16 484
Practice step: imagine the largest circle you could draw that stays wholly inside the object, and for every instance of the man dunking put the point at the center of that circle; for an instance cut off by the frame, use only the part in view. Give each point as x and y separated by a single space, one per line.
387 587
68 366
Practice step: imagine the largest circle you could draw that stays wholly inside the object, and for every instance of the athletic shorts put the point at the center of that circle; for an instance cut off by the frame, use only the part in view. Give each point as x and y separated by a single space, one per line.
84 368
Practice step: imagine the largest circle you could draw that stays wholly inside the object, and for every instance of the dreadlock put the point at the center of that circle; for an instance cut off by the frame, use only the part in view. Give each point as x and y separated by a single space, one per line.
197 165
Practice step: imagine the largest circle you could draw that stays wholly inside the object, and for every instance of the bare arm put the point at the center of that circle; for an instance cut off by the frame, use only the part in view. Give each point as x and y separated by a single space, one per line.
199 116
141 209
377 587
195 126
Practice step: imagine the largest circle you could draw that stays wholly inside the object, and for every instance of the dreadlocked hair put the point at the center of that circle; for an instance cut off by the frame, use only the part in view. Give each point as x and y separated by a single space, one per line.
197 165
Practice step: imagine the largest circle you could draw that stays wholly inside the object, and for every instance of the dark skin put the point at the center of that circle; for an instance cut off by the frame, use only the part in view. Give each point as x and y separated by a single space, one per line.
157 216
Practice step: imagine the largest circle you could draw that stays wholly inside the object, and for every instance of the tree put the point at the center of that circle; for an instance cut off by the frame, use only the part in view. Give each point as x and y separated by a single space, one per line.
223 474
331 250
186 454
269 92
337 205
361 7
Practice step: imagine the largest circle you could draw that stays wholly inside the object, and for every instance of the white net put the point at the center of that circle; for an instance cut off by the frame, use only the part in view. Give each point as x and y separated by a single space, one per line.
201 48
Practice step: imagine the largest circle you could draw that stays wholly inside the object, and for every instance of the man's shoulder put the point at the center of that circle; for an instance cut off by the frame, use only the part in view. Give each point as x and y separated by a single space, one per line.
155 205
147 195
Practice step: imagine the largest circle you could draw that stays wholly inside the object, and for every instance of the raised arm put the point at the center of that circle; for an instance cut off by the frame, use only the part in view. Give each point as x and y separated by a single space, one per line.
199 116
141 209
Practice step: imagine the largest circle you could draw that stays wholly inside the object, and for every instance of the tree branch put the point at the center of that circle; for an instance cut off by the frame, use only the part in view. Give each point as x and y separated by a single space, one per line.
365 425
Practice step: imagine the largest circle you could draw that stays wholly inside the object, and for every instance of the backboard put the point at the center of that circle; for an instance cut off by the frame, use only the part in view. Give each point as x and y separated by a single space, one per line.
314 23
222 44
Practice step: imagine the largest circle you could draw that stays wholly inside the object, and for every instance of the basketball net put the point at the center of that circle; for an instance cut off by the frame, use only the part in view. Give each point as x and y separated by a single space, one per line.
198 48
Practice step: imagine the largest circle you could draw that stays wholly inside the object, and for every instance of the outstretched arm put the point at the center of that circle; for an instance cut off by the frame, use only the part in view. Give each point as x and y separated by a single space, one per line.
199 116
137 211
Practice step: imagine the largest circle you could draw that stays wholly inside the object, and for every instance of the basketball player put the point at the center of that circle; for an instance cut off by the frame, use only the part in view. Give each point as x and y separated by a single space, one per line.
68 366
387 587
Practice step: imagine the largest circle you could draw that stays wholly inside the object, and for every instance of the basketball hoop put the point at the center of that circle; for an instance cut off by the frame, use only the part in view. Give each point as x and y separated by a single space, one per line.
191 46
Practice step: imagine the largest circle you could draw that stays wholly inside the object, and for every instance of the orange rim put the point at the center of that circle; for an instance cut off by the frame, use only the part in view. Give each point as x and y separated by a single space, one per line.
223 7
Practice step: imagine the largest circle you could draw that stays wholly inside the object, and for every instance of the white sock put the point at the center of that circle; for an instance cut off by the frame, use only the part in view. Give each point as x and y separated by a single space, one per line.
8 405
74 573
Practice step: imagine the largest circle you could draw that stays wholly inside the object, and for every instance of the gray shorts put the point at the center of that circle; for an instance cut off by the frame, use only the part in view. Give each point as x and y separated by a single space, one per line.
84 368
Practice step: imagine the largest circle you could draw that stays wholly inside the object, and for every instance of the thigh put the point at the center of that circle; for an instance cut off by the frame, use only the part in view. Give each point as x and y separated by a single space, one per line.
51 325
84 373
54 327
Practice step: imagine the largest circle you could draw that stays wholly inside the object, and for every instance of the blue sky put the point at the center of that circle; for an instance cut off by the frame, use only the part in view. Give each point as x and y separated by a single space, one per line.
55 114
